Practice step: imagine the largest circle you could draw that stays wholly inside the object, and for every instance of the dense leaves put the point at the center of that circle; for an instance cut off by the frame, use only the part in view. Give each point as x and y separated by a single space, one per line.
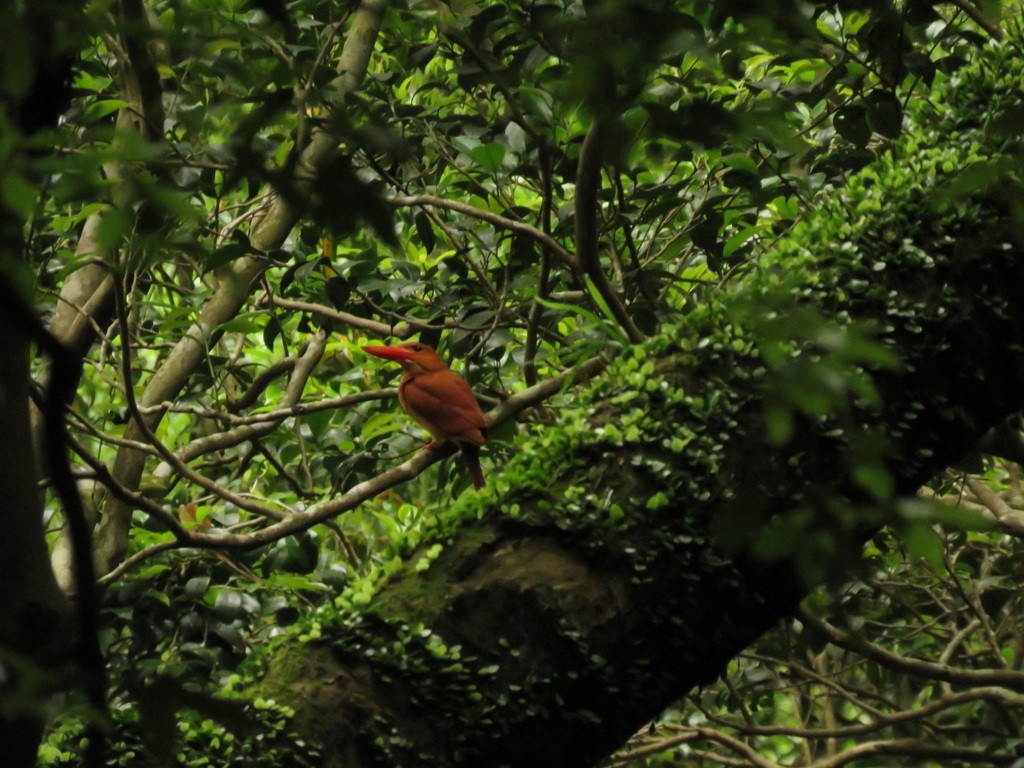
236 195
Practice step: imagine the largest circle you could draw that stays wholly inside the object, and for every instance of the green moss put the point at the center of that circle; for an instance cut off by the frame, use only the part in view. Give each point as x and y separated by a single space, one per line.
422 594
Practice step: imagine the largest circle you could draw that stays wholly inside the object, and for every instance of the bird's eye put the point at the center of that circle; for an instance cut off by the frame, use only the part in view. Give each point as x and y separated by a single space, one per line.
417 348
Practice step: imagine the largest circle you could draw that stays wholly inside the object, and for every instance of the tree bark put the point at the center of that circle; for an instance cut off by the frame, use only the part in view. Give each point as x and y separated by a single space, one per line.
35 616
87 296
630 551
36 626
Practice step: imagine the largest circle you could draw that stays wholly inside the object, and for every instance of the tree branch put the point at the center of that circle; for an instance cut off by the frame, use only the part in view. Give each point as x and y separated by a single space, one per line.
375 327
1008 520
979 18
1003 678
588 183
324 511
66 369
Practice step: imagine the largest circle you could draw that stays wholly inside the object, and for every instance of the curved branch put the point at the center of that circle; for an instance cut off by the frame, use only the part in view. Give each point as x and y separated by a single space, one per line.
1008 520
588 183
134 498
259 425
1002 678
917 748
979 18
902 747
66 370
276 415
263 380
883 721
400 331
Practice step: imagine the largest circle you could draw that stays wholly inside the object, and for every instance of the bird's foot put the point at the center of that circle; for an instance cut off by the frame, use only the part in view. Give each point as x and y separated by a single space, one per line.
430 446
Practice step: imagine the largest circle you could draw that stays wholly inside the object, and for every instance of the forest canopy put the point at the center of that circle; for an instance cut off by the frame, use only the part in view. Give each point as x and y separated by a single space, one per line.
738 290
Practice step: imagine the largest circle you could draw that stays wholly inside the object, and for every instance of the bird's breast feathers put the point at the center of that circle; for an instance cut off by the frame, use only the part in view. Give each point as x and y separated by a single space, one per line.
443 403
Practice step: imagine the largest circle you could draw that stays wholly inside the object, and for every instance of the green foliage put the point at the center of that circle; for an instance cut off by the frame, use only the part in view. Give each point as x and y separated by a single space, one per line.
821 162
173 726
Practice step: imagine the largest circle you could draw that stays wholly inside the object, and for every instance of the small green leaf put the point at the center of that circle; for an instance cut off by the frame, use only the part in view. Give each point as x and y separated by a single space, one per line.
875 479
18 194
657 501
778 421
271 331
920 540
381 424
489 157
196 587
100 109
227 605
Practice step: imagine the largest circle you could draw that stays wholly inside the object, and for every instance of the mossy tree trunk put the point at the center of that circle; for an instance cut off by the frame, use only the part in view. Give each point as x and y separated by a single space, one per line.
703 484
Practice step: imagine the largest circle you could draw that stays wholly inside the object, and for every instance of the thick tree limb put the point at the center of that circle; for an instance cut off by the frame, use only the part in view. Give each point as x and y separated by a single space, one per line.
979 18
21 326
91 287
1008 520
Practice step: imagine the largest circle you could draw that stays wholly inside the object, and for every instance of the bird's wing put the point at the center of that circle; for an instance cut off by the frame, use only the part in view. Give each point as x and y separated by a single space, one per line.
444 404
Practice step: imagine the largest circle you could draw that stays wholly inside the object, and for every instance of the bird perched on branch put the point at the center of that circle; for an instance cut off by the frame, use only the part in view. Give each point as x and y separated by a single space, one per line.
440 400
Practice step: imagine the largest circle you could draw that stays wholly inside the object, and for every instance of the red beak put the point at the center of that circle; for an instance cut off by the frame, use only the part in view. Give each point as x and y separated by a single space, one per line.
398 354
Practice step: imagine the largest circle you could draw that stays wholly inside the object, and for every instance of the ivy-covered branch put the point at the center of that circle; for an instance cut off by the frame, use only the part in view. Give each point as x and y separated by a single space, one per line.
704 482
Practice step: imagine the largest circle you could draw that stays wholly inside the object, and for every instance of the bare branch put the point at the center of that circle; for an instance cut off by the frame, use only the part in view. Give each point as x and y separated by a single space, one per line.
920 749
1003 678
277 415
979 18
400 331
1008 519
588 183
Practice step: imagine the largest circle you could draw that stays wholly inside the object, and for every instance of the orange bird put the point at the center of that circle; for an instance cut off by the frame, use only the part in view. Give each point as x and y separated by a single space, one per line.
440 400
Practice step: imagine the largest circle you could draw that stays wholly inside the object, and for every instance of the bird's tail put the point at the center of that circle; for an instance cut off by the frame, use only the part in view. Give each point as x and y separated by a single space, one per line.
472 455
